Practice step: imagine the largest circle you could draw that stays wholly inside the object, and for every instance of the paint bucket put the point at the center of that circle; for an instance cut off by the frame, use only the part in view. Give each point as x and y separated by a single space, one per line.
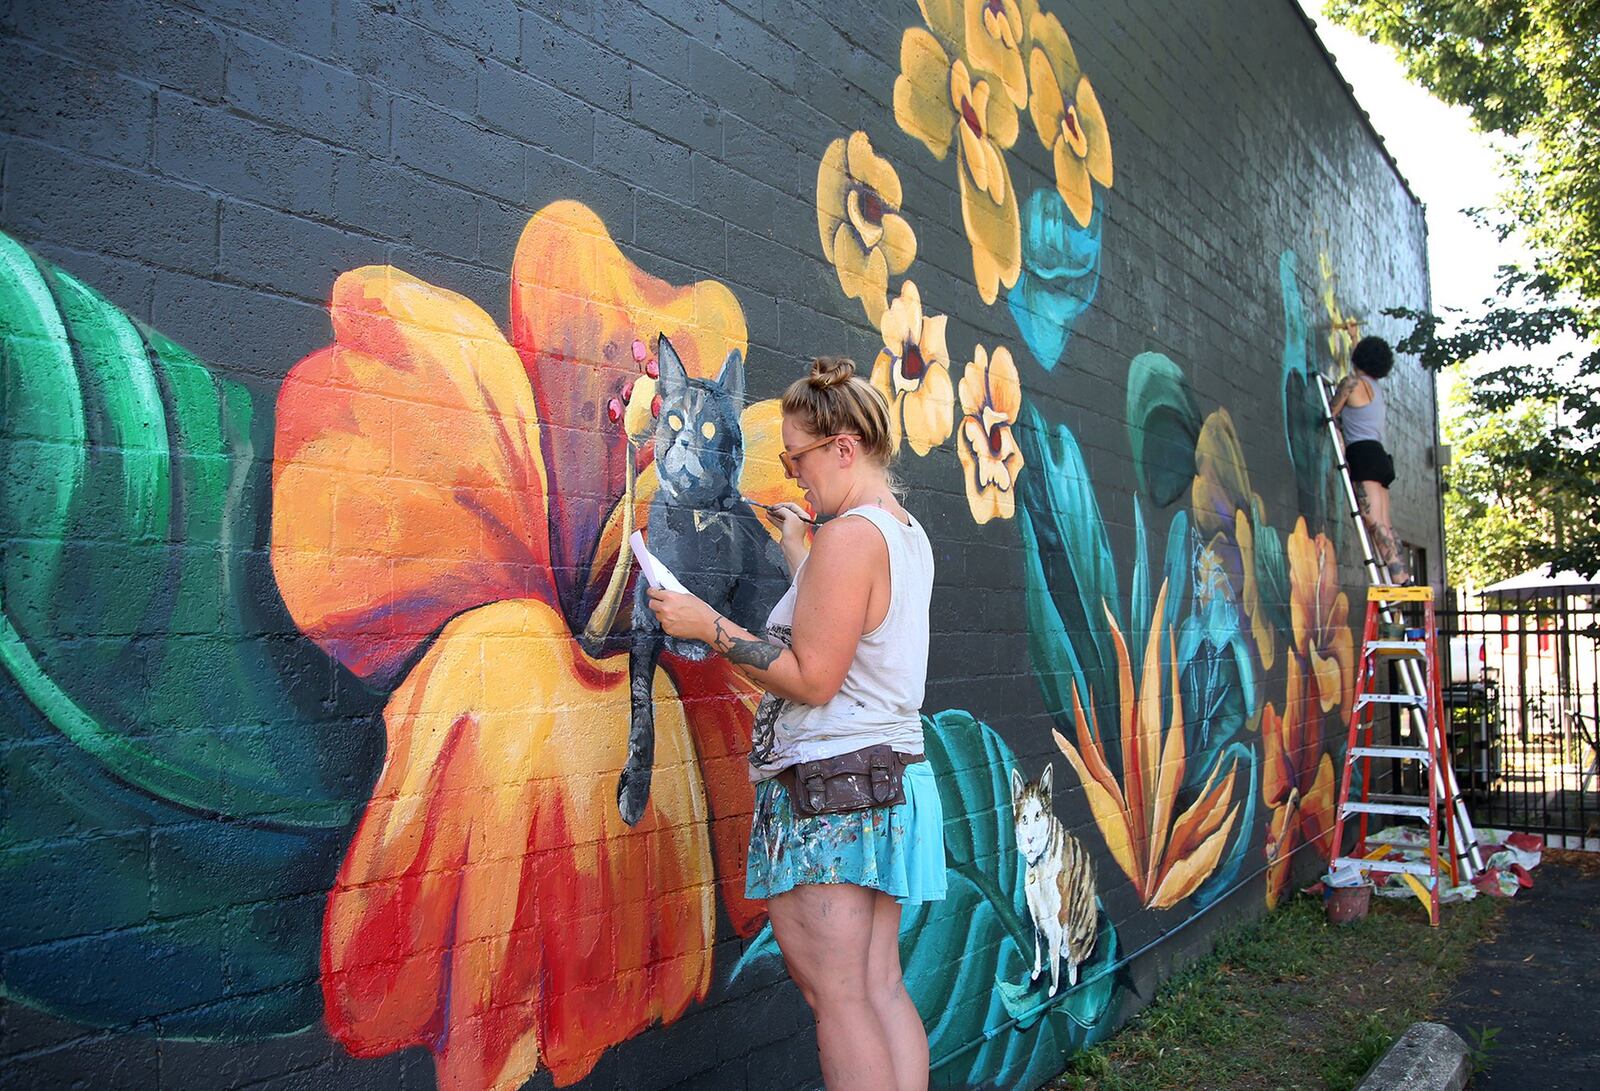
1346 904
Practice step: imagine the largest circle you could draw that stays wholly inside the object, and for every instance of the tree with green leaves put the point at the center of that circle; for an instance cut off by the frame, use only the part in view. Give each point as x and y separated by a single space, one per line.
1528 70
1491 512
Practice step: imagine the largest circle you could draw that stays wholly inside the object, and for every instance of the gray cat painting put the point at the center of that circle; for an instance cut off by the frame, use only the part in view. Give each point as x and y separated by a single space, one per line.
701 530
1058 882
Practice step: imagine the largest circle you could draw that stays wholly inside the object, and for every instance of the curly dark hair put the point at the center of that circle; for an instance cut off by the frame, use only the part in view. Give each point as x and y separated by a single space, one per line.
1373 357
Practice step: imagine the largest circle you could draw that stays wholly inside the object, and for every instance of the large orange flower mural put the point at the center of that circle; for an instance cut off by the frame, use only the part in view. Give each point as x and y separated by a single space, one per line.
1298 777
1166 856
446 522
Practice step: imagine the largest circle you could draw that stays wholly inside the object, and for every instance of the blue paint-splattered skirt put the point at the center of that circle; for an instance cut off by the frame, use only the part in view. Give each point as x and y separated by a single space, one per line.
898 850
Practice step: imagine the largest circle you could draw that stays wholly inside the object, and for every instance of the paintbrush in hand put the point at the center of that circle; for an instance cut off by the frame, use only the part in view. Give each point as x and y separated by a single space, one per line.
814 521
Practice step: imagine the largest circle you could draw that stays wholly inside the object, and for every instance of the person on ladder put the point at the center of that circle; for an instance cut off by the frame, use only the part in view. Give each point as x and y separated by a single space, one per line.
1358 406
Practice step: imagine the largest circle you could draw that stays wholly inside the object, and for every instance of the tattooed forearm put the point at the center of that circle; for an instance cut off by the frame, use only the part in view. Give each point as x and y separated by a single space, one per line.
747 652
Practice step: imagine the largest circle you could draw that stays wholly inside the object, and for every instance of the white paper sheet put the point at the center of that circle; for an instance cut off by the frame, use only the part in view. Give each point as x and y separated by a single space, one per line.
658 575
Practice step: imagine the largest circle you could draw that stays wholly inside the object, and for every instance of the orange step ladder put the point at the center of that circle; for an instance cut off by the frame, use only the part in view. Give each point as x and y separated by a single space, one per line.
1437 809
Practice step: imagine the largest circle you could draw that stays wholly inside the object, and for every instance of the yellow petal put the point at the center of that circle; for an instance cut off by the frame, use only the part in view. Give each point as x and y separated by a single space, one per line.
872 170
995 234
999 119
981 500
930 410
997 179
899 244
1005 388
975 161
931 340
991 52
1092 119
944 17
1072 181
921 92
1051 37
863 274
1046 105
883 383
975 381
831 186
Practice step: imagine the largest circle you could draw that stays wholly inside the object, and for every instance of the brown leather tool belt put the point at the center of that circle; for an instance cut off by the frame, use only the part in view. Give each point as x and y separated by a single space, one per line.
862 779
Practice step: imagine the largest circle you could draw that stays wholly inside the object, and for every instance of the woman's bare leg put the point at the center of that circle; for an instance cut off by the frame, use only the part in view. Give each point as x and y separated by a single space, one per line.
908 1041
825 933
1374 501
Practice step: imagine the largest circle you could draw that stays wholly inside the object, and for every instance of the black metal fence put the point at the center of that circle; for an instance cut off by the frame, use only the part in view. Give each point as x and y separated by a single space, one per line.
1522 690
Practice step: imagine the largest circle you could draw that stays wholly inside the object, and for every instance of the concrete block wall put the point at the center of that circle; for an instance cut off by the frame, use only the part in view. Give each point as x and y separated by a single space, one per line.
331 331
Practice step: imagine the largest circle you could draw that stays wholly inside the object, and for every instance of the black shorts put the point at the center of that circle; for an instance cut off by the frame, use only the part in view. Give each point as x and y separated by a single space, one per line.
1369 462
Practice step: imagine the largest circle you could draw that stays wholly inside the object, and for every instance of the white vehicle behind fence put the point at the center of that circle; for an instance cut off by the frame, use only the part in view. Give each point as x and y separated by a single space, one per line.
1468 660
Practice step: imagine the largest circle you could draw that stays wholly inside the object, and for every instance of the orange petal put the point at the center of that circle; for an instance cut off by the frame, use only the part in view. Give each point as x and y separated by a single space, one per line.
408 483
492 904
1183 877
1205 815
1133 769
577 306
1277 772
1106 806
1280 844
1316 808
719 704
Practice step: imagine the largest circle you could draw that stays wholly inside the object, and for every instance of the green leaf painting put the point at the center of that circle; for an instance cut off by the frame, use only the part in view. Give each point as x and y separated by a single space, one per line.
173 811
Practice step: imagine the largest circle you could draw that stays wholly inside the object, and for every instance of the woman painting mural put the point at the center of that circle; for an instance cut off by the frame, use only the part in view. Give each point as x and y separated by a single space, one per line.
847 824
1358 405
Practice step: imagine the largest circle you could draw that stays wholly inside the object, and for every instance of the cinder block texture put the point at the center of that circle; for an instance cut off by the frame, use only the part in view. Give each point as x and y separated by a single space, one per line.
339 348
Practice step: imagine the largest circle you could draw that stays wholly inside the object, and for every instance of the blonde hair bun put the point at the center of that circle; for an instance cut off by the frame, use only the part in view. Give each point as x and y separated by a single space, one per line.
829 371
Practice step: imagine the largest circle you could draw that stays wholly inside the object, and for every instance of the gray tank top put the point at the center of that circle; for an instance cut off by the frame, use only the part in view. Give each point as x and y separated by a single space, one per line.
1364 421
881 698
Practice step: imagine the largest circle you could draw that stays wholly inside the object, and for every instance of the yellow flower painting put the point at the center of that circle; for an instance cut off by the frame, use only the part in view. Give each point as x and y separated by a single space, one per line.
991 398
859 221
912 372
1068 118
942 101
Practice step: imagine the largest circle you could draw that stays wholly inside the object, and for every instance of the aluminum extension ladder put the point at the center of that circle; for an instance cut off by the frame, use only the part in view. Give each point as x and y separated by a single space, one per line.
1433 754
1466 851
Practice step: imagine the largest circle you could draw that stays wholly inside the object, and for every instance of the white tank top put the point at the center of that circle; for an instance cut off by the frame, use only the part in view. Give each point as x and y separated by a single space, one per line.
881 698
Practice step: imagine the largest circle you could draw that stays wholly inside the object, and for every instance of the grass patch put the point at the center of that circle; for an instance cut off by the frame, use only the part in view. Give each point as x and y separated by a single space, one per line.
1288 1002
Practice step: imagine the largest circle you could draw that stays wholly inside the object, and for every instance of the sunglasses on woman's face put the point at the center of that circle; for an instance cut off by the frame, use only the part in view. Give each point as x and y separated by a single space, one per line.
791 459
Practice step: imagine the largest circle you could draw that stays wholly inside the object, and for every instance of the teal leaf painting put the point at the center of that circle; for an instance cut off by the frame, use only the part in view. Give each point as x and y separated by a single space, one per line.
968 959
1070 581
1163 427
1060 273
180 778
1305 432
